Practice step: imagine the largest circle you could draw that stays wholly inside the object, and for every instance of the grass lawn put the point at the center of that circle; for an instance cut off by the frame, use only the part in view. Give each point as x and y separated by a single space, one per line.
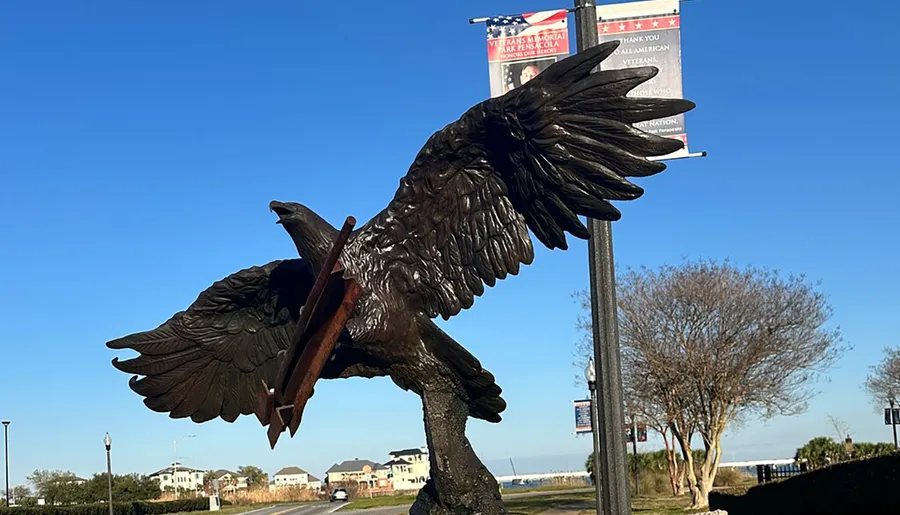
399 500
662 505
237 509
226 510
380 502
511 491
539 504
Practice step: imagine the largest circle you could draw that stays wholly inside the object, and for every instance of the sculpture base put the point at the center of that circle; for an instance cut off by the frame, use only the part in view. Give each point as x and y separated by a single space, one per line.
459 483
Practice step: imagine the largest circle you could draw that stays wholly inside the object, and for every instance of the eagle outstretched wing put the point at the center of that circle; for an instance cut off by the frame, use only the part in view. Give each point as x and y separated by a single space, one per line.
535 158
210 360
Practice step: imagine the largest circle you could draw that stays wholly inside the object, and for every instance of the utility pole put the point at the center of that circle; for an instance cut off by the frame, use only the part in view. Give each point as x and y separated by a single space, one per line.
175 463
107 442
175 467
610 406
6 456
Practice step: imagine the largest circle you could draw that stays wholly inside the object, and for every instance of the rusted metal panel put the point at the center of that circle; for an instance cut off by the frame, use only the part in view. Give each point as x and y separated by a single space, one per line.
325 313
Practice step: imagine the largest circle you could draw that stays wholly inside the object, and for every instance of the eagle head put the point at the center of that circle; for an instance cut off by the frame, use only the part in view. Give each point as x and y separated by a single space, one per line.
312 235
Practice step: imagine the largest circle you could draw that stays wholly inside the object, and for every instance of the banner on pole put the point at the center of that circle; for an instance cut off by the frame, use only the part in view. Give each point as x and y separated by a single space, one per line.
641 432
650 35
522 46
583 416
891 416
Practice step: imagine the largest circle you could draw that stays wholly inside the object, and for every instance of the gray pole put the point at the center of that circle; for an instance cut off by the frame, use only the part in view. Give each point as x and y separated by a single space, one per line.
637 477
893 426
595 433
611 410
108 442
6 456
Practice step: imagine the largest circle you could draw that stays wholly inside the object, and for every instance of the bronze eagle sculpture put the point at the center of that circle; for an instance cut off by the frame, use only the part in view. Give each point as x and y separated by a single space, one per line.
535 159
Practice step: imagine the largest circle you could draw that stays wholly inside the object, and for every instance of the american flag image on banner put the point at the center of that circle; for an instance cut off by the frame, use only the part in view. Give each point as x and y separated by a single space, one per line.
527 35
525 24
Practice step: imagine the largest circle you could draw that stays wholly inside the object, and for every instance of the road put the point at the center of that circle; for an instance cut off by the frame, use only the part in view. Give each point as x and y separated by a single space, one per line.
318 508
322 508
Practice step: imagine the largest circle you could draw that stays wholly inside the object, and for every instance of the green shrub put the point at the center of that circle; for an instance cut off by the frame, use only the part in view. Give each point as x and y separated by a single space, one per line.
119 508
850 488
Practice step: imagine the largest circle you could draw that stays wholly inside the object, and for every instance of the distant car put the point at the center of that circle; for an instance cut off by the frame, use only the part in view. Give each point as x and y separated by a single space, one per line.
339 494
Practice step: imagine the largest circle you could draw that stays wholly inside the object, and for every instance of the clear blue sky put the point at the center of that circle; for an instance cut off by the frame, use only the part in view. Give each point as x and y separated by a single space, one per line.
141 142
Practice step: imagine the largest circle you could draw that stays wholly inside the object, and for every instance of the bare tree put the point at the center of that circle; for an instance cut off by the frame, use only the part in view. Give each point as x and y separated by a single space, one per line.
883 383
714 344
841 427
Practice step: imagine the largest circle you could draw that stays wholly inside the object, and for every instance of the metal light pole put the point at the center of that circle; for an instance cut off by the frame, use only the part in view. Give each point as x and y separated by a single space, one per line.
107 441
604 320
893 423
637 477
6 456
591 378
175 463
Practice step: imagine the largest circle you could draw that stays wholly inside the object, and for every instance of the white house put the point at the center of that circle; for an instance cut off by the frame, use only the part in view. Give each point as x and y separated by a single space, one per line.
294 477
410 468
180 477
230 481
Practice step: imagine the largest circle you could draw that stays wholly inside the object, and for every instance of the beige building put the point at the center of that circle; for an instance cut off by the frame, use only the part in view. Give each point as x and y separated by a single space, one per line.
229 481
366 474
409 468
314 483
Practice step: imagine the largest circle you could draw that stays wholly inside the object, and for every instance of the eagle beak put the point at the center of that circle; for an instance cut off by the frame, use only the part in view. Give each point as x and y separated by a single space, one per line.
281 209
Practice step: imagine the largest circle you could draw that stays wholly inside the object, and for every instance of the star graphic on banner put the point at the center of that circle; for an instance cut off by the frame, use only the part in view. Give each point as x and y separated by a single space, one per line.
672 22
621 26
606 28
655 24
639 25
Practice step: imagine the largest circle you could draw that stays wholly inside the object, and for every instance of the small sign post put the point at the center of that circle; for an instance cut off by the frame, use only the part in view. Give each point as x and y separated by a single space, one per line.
892 418
583 416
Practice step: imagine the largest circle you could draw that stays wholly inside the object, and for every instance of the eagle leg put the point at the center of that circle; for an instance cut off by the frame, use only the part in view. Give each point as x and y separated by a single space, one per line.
459 482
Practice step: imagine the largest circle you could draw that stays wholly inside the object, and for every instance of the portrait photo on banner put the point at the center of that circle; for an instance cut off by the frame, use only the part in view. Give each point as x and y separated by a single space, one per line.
517 73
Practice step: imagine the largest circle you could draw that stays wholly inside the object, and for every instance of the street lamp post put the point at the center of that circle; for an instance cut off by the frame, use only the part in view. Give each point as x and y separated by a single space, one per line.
590 375
637 478
107 441
175 463
6 456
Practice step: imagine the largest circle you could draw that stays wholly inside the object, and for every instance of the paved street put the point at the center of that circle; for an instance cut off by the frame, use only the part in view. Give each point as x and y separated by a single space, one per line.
305 509
326 507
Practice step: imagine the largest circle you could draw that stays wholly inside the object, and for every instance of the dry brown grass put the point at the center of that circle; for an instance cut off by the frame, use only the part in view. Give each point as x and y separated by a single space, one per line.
729 477
279 495
170 496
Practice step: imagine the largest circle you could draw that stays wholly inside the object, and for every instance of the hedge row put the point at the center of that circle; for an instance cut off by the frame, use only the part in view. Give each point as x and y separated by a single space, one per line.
119 508
850 488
